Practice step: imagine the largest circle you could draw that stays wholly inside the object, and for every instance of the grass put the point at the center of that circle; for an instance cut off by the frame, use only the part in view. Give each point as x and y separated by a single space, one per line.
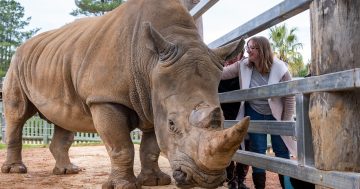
2 146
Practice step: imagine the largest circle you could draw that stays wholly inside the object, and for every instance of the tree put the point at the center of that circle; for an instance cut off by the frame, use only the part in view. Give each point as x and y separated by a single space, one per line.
12 33
94 7
285 45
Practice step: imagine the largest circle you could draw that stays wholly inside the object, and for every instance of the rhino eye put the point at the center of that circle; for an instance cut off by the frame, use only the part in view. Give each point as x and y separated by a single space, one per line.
173 128
172 125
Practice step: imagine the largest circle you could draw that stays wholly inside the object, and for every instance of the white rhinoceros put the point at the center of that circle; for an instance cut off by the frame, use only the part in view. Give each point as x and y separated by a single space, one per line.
143 66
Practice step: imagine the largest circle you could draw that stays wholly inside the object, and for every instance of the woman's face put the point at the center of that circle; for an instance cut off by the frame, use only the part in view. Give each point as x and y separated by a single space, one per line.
253 51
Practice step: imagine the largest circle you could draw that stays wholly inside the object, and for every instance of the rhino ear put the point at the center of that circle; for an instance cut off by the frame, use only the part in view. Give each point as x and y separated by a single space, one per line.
230 50
164 48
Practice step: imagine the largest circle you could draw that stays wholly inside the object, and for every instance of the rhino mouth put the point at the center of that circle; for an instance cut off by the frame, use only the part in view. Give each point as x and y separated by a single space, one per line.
187 174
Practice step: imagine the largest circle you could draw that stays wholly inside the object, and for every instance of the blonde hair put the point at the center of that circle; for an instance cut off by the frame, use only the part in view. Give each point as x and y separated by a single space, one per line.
265 53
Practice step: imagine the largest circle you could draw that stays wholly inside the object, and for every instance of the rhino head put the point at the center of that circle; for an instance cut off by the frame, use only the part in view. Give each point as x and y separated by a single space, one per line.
187 115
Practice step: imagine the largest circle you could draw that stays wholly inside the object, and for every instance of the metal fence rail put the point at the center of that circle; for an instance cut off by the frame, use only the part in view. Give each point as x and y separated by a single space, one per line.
339 81
332 179
271 17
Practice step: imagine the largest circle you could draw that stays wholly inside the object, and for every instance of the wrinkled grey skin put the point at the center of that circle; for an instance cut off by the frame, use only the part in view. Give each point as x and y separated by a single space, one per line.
117 72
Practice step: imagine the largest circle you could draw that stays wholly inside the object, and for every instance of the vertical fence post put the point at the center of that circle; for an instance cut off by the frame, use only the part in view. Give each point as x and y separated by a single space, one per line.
2 121
3 128
1 134
45 132
303 131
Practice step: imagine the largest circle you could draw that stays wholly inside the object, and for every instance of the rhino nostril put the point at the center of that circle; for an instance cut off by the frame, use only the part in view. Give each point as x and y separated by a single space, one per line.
179 176
215 124
216 117
208 117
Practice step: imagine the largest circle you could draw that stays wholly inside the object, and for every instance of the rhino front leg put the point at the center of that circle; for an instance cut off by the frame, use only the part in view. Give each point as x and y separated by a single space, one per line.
112 122
59 147
150 174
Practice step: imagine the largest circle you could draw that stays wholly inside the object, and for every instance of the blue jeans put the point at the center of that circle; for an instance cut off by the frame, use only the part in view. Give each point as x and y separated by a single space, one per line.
258 142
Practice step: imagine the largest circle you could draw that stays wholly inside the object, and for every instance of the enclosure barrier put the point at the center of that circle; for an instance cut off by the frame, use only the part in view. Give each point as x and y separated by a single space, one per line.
302 168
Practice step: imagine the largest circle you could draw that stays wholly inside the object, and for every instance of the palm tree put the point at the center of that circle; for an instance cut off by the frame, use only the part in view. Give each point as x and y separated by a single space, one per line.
285 45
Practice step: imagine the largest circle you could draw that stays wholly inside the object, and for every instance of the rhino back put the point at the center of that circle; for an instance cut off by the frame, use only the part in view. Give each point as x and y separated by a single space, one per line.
135 50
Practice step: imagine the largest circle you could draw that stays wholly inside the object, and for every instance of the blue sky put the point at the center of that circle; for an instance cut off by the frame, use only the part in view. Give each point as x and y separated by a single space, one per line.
223 17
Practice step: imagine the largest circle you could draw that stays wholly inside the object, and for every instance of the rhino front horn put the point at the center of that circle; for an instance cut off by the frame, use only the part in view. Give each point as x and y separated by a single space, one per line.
218 147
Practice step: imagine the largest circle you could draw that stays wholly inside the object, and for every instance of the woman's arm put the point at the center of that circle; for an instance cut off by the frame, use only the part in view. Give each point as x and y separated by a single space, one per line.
231 71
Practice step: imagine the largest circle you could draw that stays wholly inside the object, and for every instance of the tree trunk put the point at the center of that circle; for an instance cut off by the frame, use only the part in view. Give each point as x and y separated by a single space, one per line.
335 116
189 4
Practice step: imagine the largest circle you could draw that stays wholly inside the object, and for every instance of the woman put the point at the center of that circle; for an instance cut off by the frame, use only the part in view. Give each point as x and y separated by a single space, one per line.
235 172
262 68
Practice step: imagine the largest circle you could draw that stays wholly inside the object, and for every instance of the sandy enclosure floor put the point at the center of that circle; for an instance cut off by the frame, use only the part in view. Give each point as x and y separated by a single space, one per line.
95 165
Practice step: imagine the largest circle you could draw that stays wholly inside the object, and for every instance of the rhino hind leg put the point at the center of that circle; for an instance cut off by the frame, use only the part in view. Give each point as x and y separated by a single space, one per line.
17 109
59 147
112 122
150 174
13 162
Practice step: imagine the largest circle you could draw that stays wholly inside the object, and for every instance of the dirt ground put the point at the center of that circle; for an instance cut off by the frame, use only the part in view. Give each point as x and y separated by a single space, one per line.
95 165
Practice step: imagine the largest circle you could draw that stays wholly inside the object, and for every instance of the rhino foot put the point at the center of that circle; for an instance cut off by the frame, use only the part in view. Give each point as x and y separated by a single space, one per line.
122 184
154 179
70 169
14 168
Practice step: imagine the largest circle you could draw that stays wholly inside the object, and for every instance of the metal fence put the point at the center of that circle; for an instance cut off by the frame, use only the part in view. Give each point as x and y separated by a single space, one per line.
302 168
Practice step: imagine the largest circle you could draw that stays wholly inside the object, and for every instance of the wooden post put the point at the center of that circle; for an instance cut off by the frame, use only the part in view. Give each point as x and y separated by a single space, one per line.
189 4
335 116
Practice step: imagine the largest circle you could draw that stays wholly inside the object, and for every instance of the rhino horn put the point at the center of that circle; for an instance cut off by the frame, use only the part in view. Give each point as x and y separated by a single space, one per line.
164 48
219 147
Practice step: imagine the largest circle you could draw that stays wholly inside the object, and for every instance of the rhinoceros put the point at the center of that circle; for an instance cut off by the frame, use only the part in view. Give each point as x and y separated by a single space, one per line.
142 65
